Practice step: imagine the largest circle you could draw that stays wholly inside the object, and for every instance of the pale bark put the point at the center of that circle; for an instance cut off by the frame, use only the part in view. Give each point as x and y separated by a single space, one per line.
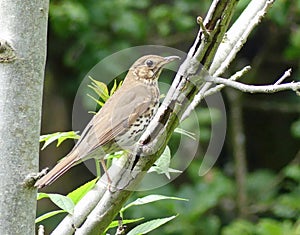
23 28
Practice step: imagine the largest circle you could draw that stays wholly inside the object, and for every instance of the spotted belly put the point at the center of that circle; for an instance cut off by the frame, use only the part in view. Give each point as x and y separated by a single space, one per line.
127 140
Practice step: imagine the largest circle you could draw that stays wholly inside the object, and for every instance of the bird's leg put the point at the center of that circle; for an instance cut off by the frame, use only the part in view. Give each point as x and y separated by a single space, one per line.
106 172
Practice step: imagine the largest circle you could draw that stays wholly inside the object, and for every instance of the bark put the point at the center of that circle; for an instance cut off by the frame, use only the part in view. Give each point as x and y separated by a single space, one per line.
23 28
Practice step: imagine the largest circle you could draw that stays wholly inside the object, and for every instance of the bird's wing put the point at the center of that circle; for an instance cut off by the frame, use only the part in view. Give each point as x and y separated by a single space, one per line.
120 111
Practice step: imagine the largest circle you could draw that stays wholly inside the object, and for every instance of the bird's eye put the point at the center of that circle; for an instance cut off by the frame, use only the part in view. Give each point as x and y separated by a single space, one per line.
149 63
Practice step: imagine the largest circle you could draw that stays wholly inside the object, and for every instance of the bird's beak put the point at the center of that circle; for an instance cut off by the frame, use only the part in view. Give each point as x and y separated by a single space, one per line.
161 64
169 59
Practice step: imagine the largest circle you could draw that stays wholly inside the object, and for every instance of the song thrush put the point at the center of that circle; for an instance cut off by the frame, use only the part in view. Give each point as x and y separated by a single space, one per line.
121 121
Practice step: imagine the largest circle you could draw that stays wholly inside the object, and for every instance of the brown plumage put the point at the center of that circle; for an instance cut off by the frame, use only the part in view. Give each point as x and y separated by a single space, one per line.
121 121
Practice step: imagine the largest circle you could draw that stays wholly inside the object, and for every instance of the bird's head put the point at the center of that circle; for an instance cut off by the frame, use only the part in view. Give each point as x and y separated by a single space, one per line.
149 67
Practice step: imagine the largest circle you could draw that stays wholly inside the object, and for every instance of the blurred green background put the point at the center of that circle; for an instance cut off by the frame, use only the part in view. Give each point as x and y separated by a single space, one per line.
254 186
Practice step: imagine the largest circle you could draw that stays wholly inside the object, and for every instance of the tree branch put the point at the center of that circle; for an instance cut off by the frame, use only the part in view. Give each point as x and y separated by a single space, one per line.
234 39
213 90
23 45
294 86
237 35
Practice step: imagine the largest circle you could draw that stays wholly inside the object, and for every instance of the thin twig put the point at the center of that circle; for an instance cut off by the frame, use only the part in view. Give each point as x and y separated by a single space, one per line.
234 77
286 74
294 86
41 230
210 91
203 28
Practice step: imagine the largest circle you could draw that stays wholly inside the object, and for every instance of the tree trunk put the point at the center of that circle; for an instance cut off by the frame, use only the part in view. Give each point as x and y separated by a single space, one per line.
23 30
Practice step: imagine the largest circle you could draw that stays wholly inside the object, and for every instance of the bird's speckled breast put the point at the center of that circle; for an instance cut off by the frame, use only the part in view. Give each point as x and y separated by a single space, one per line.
136 129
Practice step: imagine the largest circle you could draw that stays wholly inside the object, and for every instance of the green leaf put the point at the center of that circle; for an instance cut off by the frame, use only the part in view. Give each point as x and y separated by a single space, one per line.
185 132
149 226
162 164
63 202
59 136
256 186
292 171
287 205
48 215
149 199
115 223
78 193
97 101
295 128
67 135
114 88
239 227
114 155
41 196
100 89
273 227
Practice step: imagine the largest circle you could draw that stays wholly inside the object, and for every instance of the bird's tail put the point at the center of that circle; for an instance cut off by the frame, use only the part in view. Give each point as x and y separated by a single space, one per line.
60 168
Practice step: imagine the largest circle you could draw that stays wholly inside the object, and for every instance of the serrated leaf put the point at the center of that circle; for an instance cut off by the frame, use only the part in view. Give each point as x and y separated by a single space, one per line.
100 89
149 226
79 193
62 202
48 139
67 135
59 136
149 199
48 215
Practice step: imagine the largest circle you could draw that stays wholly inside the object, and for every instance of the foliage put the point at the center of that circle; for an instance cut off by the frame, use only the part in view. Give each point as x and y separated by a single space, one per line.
67 203
211 206
263 227
102 90
149 226
93 30
59 136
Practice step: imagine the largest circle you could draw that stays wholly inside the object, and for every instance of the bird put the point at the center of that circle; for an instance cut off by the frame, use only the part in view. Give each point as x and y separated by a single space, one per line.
122 119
